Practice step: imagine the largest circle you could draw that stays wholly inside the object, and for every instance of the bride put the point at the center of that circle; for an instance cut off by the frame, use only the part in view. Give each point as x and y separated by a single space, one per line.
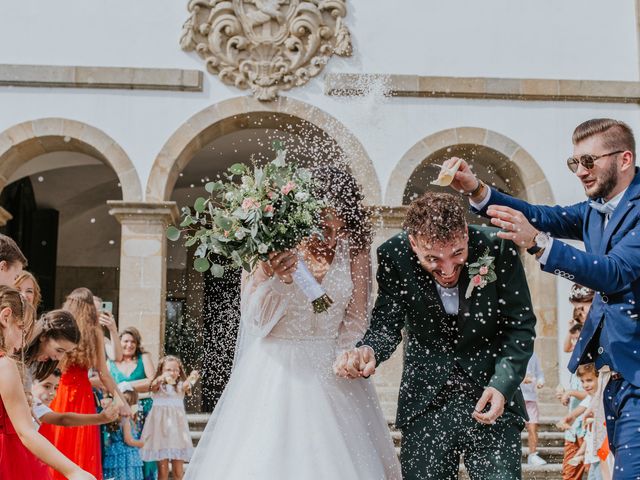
284 414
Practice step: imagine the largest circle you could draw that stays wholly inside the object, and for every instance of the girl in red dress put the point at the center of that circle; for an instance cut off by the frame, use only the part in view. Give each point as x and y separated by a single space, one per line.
22 449
82 444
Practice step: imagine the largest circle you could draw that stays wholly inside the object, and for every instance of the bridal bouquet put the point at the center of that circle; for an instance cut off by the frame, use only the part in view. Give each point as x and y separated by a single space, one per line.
254 212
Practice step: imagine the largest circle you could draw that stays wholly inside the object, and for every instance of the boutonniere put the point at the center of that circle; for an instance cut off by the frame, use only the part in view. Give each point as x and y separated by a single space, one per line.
481 273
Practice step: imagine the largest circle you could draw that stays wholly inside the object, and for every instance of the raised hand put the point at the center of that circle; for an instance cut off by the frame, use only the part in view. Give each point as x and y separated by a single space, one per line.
496 400
514 225
465 180
107 320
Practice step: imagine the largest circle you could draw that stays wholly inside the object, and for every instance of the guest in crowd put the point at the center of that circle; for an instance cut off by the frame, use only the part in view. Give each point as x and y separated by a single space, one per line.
108 322
122 456
56 333
12 261
533 381
27 285
166 433
136 369
43 393
22 449
580 298
82 444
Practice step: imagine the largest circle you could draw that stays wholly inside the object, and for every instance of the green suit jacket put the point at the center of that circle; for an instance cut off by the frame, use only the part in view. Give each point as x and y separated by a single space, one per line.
492 339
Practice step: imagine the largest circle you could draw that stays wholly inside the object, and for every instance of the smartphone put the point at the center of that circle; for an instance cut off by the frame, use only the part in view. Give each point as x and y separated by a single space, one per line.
107 307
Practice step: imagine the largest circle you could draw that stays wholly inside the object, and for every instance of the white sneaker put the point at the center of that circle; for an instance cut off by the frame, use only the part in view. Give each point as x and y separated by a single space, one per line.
535 460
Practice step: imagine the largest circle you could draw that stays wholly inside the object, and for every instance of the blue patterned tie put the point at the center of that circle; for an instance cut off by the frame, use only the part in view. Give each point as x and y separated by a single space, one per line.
604 208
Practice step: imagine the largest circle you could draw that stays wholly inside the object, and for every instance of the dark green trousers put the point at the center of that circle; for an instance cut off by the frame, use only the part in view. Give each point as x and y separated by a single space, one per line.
434 442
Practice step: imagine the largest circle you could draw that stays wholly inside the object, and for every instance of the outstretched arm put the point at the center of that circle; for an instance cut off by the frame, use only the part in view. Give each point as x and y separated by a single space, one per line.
70 419
388 317
18 411
559 222
356 318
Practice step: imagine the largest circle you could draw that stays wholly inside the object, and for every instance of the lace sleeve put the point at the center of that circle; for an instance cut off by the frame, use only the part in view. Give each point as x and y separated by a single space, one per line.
356 318
263 302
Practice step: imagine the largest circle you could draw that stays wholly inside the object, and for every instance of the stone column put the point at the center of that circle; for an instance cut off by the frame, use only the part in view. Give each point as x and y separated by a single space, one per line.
143 268
388 222
4 217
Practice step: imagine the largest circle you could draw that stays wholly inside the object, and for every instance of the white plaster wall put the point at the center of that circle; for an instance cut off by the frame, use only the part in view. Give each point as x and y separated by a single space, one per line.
460 37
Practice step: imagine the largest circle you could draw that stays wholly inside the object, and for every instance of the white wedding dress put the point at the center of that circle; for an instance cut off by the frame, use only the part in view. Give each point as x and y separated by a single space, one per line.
284 414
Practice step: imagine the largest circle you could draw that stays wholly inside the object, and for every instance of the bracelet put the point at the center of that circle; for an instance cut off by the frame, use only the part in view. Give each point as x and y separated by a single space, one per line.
476 190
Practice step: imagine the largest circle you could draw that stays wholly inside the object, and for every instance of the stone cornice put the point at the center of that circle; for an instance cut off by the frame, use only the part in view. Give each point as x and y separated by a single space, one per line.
166 212
51 76
530 89
388 217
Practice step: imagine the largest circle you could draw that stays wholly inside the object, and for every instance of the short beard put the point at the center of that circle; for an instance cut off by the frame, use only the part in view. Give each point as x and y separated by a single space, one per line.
607 183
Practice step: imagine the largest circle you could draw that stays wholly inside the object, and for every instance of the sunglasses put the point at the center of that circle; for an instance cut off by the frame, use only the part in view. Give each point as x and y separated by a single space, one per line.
587 160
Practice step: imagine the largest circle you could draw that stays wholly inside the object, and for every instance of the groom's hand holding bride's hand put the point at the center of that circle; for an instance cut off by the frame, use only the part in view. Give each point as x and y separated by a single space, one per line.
496 400
282 264
356 363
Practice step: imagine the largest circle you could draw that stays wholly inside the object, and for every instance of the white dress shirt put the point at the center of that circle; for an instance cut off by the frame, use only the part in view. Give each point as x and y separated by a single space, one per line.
450 298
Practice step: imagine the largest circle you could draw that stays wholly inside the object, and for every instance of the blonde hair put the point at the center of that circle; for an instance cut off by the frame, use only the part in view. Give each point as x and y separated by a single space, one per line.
80 304
586 369
37 292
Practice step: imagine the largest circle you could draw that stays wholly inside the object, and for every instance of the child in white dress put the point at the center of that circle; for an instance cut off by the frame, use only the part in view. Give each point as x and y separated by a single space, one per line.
166 430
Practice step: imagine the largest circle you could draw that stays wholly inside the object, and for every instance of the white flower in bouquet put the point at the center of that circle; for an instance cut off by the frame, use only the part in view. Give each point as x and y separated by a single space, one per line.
302 197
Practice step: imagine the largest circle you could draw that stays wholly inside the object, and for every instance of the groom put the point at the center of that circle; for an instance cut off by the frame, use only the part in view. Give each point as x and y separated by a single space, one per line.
464 358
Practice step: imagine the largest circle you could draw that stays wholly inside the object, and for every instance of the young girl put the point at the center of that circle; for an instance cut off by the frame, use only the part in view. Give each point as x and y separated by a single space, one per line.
122 456
21 446
166 431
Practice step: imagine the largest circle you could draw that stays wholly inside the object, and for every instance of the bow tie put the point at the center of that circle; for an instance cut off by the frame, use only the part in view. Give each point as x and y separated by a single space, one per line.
604 208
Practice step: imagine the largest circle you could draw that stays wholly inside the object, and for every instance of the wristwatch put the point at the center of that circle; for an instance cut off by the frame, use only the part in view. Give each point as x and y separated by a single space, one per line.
541 241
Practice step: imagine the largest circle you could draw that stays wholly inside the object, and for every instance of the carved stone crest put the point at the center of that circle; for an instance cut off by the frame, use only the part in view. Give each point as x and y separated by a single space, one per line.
266 45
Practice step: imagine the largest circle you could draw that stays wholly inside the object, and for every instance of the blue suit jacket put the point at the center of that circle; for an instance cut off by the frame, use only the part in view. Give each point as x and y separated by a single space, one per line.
610 266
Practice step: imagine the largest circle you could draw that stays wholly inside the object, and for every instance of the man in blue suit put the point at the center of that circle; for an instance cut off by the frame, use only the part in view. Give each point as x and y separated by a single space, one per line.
609 225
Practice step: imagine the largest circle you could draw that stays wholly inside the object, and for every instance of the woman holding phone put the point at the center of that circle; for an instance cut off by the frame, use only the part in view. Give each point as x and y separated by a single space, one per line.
82 444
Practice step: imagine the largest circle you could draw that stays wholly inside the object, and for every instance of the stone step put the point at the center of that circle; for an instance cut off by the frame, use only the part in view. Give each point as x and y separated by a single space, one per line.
550 442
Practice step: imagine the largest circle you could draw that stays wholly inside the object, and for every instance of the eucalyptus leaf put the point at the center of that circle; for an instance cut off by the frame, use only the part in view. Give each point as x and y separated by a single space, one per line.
213 186
200 204
191 241
201 251
173 233
238 168
188 221
217 270
201 265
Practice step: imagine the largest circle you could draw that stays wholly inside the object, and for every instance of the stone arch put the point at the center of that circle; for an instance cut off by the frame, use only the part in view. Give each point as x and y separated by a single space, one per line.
532 185
536 187
226 117
23 142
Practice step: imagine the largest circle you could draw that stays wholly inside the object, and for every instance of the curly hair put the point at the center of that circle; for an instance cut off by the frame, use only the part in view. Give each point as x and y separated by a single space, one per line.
80 304
341 191
436 217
